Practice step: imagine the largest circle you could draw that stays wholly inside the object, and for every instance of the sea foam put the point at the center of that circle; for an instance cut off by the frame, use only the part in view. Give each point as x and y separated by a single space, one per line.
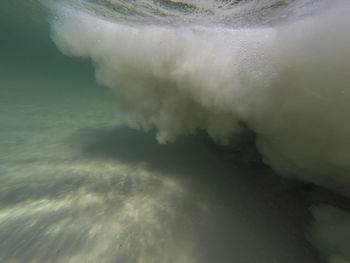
288 83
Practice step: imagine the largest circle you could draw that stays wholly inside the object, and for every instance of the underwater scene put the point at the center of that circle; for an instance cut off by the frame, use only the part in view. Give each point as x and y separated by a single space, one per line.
168 131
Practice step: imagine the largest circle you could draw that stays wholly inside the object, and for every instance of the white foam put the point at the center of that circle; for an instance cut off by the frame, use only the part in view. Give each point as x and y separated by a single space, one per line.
290 84
176 79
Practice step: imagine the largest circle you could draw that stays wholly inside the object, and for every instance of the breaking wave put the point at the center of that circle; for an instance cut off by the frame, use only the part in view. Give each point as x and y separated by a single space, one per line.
288 82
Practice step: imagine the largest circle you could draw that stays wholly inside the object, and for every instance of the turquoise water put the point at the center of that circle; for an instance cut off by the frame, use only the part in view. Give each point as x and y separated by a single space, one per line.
168 131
